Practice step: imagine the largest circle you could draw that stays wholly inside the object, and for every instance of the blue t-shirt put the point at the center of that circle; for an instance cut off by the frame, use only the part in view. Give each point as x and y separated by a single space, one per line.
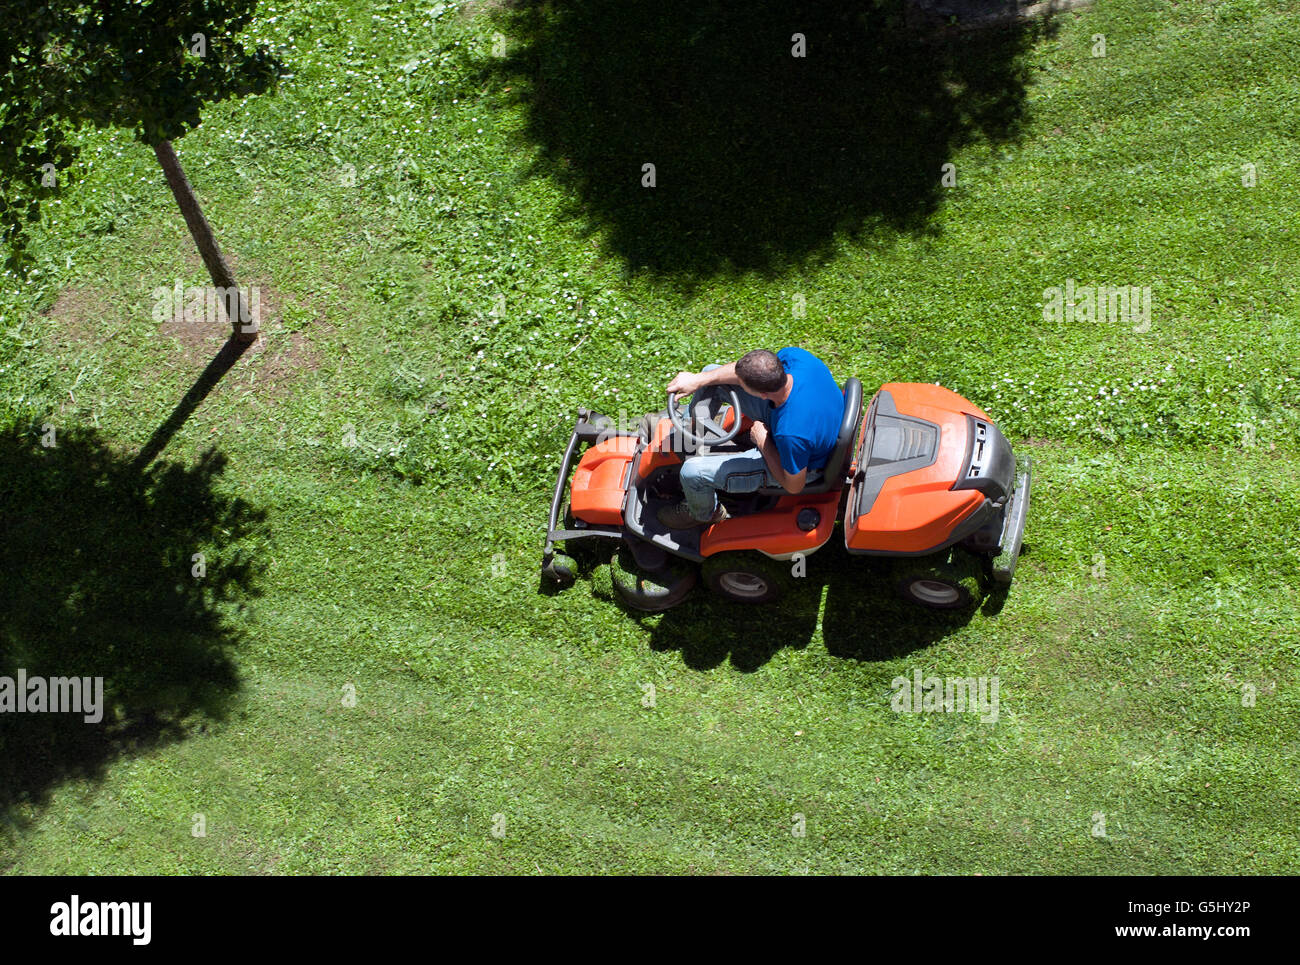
806 426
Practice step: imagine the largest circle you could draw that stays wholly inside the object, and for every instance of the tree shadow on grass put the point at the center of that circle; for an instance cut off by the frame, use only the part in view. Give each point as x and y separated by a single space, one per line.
761 158
863 618
97 569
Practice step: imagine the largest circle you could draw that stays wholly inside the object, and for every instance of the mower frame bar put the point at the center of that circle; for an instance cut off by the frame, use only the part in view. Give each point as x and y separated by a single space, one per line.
1013 529
584 430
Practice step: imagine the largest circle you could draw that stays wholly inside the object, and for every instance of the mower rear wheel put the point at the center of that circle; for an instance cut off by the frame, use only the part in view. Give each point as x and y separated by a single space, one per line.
746 577
950 581
650 591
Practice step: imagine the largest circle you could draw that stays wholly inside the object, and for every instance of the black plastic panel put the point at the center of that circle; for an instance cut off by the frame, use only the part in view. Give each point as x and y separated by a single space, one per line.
990 466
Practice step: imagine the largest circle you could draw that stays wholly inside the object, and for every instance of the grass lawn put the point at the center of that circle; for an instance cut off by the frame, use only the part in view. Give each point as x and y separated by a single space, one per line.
443 206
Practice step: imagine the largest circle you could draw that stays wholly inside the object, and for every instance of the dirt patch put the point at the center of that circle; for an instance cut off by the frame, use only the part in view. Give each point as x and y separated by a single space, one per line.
285 357
196 323
277 357
196 316
77 314
287 347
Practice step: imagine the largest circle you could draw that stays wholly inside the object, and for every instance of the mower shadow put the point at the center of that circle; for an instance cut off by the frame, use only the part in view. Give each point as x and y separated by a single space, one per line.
862 619
762 158
709 631
866 619
96 561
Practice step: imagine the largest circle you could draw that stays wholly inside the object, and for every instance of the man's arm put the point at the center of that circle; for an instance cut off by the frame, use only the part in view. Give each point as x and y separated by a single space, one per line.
687 382
763 440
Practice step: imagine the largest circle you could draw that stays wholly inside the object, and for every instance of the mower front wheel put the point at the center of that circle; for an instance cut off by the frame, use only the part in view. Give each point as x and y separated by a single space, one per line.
746 577
650 591
949 582
561 570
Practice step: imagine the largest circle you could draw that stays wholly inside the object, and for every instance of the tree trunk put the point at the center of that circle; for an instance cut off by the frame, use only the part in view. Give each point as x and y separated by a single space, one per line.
244 325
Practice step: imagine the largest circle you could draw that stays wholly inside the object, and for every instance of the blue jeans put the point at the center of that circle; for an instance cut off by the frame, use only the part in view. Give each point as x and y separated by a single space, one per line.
732 472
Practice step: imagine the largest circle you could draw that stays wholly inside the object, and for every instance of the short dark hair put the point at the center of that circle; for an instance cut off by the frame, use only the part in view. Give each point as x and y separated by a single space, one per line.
761 370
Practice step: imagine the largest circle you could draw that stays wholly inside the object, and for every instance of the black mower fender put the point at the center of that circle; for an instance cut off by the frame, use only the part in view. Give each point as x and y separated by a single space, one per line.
590 426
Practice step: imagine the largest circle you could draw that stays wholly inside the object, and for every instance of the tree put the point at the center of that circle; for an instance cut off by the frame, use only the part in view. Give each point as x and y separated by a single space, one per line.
148 66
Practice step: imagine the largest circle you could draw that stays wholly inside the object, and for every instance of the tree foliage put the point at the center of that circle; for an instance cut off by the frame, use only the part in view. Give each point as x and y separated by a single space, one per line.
148 66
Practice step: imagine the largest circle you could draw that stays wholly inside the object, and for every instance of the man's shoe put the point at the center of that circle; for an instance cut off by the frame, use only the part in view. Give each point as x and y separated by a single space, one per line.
679 516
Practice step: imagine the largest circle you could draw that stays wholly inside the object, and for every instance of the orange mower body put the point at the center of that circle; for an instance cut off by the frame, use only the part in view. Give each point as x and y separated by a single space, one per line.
919 473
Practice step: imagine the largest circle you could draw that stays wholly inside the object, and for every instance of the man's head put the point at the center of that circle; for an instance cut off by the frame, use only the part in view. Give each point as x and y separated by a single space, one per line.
761 372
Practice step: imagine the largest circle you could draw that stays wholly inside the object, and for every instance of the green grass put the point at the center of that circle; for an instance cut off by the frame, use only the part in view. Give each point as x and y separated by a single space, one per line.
1162 565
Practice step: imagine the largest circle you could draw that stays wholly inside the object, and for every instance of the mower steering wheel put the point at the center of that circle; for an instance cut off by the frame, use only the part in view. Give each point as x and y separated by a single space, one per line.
687 422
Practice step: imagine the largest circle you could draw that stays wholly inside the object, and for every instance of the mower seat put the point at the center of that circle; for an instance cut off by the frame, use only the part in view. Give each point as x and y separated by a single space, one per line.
832 476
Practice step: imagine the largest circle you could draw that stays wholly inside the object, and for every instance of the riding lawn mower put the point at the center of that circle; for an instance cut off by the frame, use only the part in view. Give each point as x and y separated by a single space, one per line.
924 476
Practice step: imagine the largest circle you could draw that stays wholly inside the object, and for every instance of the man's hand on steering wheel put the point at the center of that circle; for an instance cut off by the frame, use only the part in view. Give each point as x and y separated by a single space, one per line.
686 383
698 421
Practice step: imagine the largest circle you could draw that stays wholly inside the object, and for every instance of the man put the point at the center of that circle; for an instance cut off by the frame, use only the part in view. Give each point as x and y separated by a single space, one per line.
796 409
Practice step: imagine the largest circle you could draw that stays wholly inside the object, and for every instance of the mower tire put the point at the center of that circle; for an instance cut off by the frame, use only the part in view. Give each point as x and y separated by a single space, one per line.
947 581
746 577
562 570
650 591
